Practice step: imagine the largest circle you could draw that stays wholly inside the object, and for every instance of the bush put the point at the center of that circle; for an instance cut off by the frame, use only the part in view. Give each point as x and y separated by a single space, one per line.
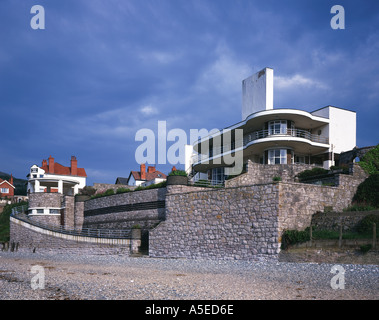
4 220
122 190
370 161
293 236
178 173
312 173
368 192
365 225
277 178
365 248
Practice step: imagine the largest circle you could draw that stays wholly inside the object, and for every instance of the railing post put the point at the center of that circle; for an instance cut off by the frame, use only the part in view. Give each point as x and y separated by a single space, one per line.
340 236
374 235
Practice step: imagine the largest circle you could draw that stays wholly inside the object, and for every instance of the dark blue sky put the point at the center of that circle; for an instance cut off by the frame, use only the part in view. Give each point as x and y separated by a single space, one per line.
103 69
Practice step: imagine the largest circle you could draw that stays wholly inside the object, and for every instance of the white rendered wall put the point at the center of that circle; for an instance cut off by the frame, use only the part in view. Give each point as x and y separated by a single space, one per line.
342 128
188 151
258 92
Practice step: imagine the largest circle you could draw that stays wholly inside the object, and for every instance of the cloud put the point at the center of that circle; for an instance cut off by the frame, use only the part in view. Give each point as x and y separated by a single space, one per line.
224 74
296 81
149 110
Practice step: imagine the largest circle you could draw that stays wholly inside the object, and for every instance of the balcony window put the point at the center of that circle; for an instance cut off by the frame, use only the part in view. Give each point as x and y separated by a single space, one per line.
277 156
277 127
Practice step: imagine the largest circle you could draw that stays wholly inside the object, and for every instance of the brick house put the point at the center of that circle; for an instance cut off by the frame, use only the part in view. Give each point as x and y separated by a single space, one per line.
7 188
143 177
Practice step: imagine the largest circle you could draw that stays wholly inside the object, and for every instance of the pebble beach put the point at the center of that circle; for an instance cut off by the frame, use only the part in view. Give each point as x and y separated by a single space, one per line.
118 277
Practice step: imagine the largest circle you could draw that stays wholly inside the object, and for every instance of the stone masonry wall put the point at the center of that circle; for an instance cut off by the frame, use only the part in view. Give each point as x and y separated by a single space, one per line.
263 173
125 220
230 223
42 199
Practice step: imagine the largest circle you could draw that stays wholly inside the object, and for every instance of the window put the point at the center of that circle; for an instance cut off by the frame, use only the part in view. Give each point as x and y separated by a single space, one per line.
4 190
217 175
41 211
299 159
277 156
54 211
277 127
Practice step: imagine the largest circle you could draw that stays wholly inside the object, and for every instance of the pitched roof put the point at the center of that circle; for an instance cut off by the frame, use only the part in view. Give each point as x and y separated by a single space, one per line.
121 180
62 170
5 181
149 175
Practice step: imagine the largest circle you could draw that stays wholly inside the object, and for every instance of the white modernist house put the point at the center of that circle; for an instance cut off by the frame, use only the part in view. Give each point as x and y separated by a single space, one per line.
274 136
56 178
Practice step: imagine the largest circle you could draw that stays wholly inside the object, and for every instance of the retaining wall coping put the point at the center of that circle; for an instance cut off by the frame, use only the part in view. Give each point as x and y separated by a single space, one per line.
70 237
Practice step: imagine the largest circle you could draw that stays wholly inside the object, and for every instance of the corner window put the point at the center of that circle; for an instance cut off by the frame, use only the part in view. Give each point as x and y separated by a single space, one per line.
277 156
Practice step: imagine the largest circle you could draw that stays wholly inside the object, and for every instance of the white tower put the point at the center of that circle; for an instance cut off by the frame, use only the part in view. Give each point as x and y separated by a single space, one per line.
258 92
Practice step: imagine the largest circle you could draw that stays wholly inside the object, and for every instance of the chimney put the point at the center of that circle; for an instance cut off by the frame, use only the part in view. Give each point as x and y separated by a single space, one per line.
74 166
150 169
173 169
143 172
44 163
11 180
51 164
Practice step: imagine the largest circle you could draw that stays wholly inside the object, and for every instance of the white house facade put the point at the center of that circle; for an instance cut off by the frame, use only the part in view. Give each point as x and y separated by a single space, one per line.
274 136
53 177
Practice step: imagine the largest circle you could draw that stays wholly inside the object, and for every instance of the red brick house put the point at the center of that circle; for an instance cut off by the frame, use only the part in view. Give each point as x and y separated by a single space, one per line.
7 188
143 177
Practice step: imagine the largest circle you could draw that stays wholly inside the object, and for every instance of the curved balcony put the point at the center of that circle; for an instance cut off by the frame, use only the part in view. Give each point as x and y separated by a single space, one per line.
298 133
286 136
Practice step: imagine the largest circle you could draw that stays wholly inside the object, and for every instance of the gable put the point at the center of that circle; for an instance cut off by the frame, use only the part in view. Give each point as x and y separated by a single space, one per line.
3 183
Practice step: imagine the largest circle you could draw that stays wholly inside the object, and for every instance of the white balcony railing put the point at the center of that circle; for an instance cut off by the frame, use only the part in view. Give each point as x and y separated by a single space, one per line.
256 135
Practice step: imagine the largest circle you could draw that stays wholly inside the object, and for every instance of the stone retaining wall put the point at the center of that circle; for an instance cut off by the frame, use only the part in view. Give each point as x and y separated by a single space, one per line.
31 238
230 223
124 219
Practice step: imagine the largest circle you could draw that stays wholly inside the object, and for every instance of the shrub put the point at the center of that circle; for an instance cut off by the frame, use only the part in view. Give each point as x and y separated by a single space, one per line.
312 173
277 178
365 248
294 236
365 225
368 192
122 190
178 173
370 161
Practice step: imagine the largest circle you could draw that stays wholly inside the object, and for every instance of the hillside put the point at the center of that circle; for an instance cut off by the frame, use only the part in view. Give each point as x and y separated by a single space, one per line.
20 184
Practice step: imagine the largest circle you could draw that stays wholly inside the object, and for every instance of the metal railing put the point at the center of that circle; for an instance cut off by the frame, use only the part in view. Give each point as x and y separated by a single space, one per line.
20 214
296 133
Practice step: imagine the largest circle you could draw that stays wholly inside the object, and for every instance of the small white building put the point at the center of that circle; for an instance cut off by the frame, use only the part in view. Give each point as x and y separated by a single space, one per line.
56 178
274 136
